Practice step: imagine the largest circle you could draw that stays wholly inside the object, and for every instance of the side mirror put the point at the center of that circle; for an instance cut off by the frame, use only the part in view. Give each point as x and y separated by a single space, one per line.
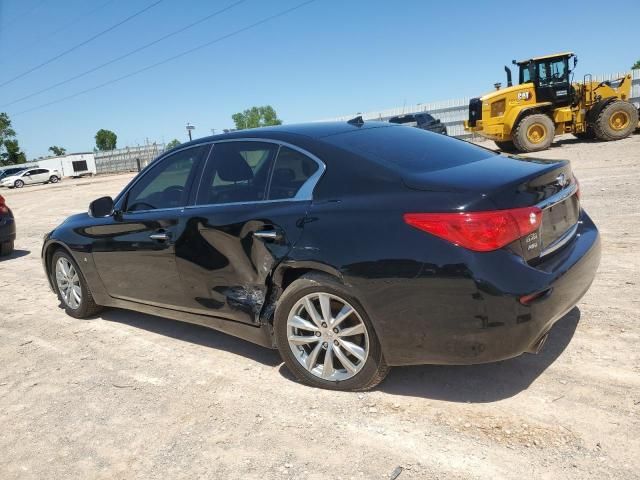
102 207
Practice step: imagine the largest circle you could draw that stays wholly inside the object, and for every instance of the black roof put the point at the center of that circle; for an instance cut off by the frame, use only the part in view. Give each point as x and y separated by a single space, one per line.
315 130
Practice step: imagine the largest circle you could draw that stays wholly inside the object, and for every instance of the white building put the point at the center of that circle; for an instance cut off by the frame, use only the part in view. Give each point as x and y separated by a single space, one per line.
69 165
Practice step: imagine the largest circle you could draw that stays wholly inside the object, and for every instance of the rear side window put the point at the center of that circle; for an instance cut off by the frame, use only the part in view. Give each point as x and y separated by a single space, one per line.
409 149
290 172
237 172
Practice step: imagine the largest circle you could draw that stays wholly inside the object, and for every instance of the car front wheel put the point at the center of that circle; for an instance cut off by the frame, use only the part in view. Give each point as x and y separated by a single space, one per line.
6 248
325 337
71 287
18 184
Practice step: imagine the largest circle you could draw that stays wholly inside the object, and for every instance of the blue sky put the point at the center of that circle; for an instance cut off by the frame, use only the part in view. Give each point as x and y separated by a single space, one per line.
325 59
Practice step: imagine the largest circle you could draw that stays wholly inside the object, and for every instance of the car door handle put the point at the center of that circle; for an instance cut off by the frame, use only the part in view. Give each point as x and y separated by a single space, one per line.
267 234
160 236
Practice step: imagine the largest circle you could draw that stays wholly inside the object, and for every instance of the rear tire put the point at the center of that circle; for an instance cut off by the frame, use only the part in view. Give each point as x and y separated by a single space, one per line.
18 184
307 359
71 287
588 135
534 133
6 248
616 121
54 179
506 146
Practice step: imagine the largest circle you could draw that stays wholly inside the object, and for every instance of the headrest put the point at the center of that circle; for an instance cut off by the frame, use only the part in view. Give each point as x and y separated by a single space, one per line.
283 176
234 168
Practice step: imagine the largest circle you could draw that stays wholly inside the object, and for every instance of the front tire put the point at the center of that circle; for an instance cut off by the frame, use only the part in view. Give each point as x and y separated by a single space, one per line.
71 286
616 121
18 184
325 337
6 248
534 133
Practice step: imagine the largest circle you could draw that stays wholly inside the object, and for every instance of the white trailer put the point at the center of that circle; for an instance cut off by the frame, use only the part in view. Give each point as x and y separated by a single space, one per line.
69 165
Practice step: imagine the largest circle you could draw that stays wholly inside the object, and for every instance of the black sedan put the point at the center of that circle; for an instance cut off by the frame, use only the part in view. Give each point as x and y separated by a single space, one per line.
350 247
420 120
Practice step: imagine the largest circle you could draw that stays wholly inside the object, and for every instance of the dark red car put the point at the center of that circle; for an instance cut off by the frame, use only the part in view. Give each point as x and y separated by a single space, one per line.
7 228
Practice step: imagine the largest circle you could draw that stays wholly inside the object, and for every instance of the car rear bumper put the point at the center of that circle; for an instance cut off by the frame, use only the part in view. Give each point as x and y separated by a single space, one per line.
461 324
7 229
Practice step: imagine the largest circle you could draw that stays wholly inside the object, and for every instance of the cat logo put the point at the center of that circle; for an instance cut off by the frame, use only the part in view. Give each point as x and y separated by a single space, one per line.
524 95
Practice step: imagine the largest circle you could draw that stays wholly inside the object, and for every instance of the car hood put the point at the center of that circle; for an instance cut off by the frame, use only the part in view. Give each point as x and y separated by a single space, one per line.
11 178
75 217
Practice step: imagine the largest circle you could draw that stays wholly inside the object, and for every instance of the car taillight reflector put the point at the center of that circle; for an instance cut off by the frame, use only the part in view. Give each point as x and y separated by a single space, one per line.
3 206
479 231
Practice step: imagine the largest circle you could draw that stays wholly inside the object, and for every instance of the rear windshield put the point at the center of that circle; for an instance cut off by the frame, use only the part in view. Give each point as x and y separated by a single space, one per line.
411 149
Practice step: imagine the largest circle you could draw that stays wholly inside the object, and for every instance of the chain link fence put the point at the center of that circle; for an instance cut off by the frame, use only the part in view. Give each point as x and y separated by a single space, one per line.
129 159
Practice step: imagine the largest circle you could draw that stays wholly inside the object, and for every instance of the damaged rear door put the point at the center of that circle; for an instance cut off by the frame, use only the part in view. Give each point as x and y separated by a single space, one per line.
249 212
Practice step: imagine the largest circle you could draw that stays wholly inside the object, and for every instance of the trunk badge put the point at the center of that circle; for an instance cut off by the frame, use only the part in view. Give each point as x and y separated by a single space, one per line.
561 180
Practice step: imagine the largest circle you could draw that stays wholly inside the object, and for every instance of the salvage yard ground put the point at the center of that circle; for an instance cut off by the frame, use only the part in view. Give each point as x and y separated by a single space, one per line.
128 395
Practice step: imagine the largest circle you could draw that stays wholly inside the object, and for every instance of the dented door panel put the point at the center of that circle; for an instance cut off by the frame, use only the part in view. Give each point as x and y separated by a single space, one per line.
227 254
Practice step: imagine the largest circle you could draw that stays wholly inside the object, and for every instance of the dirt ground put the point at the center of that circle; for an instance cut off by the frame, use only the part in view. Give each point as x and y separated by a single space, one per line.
128 395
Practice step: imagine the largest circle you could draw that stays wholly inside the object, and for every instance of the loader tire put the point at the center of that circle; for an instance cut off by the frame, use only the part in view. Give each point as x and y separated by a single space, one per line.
588 135
506 146
533 133
616 121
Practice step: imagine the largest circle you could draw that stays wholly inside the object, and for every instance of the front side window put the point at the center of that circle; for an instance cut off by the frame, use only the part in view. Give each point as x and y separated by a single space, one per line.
525 76
237 172
166 185
290 172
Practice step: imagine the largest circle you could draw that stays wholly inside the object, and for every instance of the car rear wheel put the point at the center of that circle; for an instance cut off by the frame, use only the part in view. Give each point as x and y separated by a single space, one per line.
18 184
54 179
71 287
326 338
6 248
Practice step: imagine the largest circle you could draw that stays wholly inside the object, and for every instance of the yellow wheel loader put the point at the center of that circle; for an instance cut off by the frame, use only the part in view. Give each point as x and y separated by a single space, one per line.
545 103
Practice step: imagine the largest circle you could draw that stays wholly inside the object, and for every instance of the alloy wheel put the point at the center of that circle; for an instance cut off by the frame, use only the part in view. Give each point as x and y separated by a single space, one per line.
68 283
327 336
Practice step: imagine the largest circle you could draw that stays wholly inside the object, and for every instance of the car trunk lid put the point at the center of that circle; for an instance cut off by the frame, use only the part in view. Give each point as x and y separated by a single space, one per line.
505 182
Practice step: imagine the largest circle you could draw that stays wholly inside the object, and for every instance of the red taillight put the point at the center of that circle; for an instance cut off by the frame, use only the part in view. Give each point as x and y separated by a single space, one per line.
3 206
479 231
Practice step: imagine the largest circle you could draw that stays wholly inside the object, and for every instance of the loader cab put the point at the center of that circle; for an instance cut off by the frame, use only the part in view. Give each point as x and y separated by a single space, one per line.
550 76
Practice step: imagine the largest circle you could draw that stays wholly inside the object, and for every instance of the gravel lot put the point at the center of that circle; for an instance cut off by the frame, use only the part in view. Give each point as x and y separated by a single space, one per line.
128 395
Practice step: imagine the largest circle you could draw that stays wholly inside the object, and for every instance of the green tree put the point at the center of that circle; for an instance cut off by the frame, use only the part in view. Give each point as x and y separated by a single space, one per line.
106 139
57 151
636 65
173 144
12 155
256 117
